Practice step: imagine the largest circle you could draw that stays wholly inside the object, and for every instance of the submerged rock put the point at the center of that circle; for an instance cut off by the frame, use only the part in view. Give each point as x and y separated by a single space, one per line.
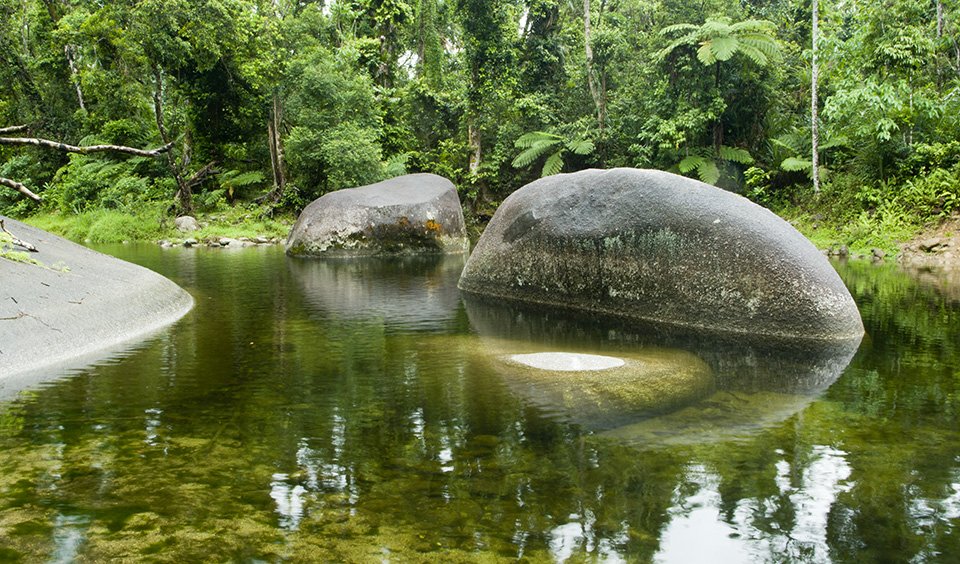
686 386
654 246
601 393
412 214
69 304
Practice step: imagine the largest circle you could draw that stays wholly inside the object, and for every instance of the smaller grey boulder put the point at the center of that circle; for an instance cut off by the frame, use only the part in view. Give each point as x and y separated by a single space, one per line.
411 214
186 224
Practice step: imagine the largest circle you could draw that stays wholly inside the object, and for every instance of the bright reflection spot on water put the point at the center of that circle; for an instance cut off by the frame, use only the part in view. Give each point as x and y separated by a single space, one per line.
698 533
929 515
289 500
152 425
823 480
69 534
578 533
695 532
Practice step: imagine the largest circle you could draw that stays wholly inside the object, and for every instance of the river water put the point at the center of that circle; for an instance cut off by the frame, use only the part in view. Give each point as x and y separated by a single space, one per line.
364 412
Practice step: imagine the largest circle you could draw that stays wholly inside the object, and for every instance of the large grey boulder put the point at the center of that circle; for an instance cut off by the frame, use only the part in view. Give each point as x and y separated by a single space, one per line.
654 246
412 214
69 304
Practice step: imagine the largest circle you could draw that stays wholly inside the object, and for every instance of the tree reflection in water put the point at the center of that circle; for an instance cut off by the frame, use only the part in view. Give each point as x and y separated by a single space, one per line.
269 425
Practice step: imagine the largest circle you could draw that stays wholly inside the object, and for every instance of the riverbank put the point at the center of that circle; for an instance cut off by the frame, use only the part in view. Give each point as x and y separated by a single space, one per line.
936 245
239 223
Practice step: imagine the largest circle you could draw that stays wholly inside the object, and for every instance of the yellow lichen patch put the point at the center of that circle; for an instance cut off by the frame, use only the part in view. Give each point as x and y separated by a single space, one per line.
432 225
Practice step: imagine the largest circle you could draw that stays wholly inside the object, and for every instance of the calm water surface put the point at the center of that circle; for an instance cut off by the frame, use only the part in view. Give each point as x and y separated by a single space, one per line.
363 412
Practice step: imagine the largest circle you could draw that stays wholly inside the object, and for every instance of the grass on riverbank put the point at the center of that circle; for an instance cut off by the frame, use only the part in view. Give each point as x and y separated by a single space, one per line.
153 224
828 222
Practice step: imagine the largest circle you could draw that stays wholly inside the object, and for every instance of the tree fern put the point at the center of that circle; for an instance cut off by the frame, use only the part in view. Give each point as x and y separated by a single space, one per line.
538 144
231 180
720 40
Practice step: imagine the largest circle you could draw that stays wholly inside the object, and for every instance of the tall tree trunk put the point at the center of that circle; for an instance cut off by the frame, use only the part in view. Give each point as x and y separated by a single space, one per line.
74 74
939 19
595 92
276 151
184 195
814 118
473 142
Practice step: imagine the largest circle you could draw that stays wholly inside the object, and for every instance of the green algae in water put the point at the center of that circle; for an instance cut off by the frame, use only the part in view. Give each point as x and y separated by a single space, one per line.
272 425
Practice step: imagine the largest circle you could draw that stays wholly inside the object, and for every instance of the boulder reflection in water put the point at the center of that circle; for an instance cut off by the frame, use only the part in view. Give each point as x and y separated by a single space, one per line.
406 293
753 383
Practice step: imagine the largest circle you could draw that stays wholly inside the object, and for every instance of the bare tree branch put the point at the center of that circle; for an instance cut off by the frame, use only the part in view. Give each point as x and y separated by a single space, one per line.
12 129
85 150
17 241
202 174
19 188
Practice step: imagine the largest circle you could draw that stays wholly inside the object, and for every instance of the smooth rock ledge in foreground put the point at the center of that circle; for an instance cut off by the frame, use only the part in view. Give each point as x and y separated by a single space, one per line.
654 246
75 305
411 214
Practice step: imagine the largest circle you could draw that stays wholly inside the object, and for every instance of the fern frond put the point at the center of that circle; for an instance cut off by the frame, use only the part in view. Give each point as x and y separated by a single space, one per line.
671 29
236 179
794 141
756 26
705 54
735 154
716 26
721 48
581 146
529 139
708 172
794 164
690 163
531 154
553 165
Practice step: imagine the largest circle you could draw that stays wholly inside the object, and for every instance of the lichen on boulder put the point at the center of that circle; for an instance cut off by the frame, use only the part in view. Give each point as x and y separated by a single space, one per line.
653 246
411 214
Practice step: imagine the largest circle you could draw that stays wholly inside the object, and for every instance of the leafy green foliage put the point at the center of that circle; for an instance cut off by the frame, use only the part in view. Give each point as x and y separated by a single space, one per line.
359 91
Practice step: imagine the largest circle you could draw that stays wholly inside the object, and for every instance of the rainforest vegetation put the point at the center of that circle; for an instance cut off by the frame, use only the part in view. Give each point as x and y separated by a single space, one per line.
255 107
